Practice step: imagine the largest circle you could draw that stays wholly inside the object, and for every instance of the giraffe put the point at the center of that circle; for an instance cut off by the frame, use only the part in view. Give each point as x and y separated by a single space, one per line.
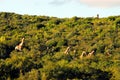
19 47
91 53
108 54
83 54
67 50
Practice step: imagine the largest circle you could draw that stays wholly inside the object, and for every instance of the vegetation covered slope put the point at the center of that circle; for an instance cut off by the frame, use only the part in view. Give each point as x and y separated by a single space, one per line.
46 38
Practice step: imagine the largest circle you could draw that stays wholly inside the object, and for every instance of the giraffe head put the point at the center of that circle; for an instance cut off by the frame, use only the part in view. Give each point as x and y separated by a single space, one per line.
23 39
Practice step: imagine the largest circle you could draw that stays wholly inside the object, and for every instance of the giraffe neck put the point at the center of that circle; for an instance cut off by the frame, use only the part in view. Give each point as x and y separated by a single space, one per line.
91 53
67 50
21 42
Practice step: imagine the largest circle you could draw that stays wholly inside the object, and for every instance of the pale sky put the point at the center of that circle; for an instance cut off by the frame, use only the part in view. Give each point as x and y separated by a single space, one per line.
62 8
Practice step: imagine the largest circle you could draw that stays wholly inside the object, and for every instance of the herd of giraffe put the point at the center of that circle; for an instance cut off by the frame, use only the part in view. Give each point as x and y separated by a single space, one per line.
20 45
84 53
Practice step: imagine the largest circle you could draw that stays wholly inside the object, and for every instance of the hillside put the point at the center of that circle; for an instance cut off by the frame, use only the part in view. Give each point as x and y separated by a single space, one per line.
43 57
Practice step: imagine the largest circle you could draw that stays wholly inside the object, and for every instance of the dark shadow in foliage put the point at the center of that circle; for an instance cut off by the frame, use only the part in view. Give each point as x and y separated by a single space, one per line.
101 49
42 48
90 23
67 57
51 43
111 18
40 25
8 28
29 64
14 73
56 49
5 51
70 73
9 71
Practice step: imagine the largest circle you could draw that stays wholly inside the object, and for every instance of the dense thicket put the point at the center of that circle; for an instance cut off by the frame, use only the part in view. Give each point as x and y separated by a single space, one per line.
46 38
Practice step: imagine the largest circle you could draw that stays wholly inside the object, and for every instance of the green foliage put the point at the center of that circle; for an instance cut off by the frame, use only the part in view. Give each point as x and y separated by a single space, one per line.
111 18
46 38
62 42
117 23
51 43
